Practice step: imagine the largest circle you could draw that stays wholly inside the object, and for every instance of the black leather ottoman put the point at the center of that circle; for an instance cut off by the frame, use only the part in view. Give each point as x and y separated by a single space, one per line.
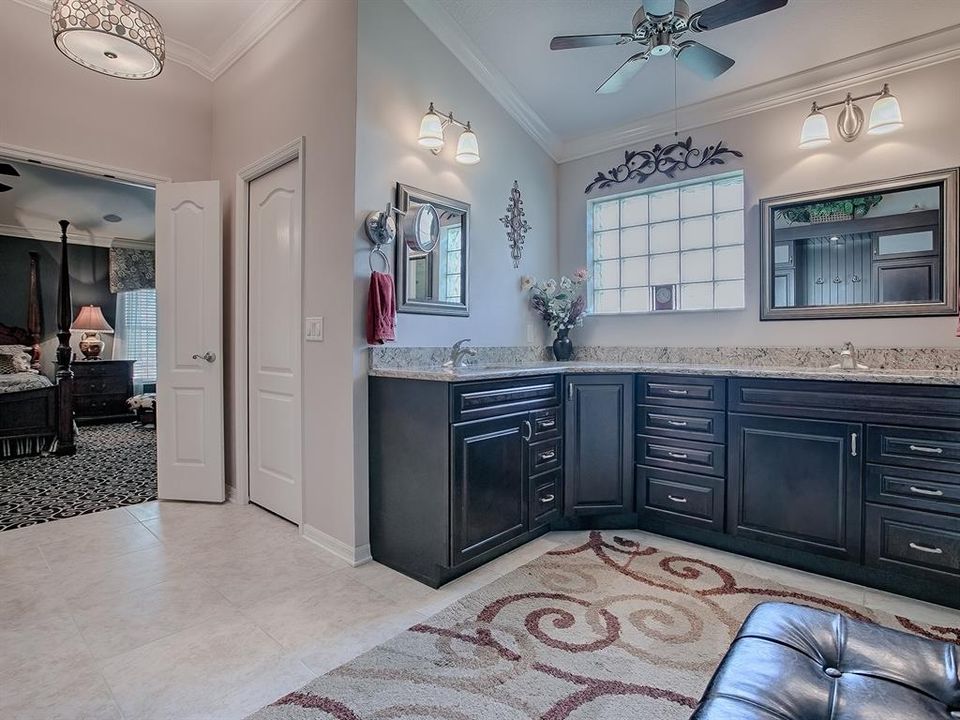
790 662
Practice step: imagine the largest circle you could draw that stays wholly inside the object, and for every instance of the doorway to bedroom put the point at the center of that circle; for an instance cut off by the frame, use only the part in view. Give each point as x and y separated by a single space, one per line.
108 265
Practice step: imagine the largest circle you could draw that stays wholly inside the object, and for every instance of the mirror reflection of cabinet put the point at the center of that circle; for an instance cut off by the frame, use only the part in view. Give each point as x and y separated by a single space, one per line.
432 253
872 250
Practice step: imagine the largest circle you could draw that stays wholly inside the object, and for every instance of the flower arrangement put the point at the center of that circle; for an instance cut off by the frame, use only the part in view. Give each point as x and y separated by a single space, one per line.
559 302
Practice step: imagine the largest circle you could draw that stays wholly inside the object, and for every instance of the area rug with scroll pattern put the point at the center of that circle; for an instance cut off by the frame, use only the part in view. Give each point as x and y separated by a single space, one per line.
612 629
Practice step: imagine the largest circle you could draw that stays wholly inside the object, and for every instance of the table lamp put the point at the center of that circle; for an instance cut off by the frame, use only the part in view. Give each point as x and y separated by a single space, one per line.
91 322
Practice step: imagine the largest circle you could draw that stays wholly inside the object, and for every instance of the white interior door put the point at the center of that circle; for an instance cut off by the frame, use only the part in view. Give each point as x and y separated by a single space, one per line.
189 343
274 341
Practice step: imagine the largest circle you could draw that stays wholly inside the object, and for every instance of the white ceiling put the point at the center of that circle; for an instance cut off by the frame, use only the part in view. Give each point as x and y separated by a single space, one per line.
208 35
506 44
42 196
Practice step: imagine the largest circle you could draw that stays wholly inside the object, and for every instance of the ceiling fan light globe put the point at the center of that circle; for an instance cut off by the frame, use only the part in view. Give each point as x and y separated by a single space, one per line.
431 131
815 131
885 116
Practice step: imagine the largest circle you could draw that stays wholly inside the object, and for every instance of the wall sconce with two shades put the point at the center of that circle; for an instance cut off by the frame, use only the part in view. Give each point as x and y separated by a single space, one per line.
431 136
885 117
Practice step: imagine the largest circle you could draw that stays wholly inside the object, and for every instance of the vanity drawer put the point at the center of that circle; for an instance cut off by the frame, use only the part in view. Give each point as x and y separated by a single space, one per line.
909 487
681 391
545 424
912 447
683 455
680 497
913 542
470 401
544 456
682 423
545 500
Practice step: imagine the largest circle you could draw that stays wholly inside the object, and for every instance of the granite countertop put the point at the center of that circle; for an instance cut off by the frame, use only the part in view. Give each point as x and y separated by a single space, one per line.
493 372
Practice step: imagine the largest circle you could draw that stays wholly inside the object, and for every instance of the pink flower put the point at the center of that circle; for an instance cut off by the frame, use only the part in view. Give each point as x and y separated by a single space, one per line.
580 274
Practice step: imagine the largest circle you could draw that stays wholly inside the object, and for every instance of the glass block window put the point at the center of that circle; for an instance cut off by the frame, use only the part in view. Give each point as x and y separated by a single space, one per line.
450 264
673 247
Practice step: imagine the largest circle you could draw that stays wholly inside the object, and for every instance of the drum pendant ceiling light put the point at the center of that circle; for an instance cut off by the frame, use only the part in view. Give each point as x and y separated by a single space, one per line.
113 37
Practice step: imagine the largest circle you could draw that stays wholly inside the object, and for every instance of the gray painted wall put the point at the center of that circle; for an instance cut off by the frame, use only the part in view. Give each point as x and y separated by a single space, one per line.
773 165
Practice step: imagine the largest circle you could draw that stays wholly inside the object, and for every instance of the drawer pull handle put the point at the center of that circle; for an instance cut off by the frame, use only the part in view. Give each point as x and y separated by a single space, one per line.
549 455
927 549
853 444
547 499
677 423
925 449
676 498
546 424
674 391
678 456
925 491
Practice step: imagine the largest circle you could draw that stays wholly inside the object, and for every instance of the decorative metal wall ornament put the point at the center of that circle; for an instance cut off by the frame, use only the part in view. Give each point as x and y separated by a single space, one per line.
668 159
516 223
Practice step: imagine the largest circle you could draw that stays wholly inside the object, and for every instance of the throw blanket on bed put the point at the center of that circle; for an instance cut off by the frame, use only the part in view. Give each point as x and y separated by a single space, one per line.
15 382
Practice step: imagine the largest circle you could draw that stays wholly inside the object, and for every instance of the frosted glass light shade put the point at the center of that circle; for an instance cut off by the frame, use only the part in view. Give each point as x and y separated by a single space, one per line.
885 116
815 131
113 37
431 130
468 150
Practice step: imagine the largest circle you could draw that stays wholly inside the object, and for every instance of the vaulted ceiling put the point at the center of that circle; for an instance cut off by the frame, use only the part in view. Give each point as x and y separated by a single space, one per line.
796 50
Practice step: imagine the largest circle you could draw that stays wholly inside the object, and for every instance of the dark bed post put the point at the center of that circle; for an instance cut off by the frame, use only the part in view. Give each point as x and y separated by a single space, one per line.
65 441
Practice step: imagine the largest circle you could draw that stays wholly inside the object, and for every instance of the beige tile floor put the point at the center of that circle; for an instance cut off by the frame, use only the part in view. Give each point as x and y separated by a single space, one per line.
174 610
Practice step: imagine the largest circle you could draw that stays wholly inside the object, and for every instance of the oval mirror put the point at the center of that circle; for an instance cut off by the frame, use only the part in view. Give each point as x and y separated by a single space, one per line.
421 228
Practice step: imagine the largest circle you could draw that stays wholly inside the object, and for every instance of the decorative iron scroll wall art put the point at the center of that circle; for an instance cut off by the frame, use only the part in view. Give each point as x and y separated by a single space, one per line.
667 159
516 223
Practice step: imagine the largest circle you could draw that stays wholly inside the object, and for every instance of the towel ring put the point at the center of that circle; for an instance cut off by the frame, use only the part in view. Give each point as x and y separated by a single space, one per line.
377 250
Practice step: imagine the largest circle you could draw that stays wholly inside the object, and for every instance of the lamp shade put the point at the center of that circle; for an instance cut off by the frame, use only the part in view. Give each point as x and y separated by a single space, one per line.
815 131
113 37
885 116
468 149
431 130
91 319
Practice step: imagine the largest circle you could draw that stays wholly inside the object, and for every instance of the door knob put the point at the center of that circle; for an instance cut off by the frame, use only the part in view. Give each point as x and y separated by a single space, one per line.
208 356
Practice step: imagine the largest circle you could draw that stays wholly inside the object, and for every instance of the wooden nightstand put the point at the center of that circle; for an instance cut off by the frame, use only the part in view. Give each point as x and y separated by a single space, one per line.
101 389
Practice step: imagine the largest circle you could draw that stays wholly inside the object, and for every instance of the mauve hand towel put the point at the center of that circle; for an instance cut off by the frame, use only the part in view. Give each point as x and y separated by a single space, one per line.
381 310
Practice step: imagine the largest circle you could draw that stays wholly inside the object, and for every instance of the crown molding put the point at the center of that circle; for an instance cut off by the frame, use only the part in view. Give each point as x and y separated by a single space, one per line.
872 66
76 237
452 35
253 29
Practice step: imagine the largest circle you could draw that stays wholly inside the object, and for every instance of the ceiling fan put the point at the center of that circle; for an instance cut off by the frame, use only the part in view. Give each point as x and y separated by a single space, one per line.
658 26
7 169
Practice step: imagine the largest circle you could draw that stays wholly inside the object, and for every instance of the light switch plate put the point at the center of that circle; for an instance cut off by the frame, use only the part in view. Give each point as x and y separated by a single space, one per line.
314 329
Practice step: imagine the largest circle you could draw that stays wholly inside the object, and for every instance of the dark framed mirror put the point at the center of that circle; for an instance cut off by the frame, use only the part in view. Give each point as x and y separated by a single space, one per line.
879 249
432 253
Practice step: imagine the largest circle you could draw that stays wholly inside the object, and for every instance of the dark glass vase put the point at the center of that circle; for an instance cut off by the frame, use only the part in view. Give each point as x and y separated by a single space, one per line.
562 346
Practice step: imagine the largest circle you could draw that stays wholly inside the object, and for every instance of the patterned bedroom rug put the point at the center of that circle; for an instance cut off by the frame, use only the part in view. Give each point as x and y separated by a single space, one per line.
610 630
114 465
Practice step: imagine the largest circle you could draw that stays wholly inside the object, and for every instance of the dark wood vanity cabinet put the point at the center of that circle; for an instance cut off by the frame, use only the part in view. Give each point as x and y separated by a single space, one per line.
461 472
796 483
598 443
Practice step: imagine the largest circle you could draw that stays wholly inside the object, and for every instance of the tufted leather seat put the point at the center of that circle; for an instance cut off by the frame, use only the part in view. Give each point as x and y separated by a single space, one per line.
790 662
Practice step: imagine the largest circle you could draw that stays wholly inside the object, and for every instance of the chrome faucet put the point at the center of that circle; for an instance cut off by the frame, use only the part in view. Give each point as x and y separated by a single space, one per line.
848 359
459 354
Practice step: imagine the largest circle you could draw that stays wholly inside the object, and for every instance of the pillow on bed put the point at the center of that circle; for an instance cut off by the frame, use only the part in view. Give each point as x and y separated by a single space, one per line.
9 364
16 350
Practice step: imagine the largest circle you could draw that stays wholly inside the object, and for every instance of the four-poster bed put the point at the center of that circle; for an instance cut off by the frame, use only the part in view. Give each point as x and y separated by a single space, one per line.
34 414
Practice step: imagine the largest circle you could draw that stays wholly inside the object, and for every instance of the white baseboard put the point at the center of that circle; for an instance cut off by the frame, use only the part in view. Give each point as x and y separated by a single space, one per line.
353 555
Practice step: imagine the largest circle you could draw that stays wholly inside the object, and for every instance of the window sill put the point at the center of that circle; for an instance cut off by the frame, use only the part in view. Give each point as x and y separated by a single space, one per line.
665 312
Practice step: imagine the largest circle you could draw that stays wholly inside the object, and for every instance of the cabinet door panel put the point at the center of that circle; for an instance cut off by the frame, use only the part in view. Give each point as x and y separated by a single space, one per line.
599 444
796 483
489 487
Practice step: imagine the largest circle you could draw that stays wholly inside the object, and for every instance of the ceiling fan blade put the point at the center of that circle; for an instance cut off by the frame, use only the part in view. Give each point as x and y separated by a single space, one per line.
702 60
568 42
8 169
731 11
623 73
5 188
